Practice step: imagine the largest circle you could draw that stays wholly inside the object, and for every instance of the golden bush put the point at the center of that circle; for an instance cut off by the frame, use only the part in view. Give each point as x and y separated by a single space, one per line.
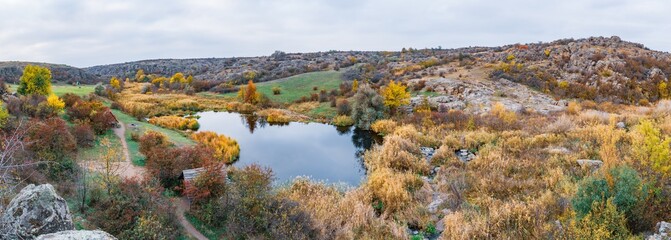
384 126
225 148
343 121
500 111
176 122
573 108
396 153
389 188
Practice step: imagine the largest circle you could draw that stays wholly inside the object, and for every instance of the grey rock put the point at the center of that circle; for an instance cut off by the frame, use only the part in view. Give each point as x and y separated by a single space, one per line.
427 152
36 210
590 163
77 235
464 155
438 199
621 125
663 231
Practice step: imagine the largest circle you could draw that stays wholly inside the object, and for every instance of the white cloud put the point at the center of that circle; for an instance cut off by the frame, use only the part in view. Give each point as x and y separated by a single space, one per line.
90 32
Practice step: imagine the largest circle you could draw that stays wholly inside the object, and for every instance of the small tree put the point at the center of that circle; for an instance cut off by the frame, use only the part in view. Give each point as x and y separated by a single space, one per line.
355 85
651 149
248 94
115 83
368 107
108 166
139 75
395 95
35 80
177 78
4 115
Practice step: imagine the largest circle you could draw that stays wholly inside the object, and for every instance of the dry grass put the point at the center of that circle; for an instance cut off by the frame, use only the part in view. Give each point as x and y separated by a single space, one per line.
384 126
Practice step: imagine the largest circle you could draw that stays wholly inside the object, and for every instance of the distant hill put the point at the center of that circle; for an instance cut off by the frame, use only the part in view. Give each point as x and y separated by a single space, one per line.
596 68
10 72
276 66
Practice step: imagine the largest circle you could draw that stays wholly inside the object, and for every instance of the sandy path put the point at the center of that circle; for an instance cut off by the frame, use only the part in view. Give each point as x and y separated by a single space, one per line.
126 168
182 206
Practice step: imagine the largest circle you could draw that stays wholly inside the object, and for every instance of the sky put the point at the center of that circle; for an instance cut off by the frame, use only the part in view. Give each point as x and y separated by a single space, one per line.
93 32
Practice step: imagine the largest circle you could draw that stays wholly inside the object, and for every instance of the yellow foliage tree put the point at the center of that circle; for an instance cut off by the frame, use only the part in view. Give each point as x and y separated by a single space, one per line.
395 95
177 78
651 149
139 75
35 80
115 83
55 103
355 85
4 115
663 90
225 148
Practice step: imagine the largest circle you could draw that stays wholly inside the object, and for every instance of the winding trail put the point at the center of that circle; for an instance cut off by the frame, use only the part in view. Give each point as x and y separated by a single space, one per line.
126 168
182 206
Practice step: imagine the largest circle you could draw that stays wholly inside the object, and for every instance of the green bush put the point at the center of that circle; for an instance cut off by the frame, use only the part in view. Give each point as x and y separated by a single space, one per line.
627 193
367 108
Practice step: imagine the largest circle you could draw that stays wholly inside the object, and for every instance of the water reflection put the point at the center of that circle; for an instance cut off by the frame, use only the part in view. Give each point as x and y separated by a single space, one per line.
295 149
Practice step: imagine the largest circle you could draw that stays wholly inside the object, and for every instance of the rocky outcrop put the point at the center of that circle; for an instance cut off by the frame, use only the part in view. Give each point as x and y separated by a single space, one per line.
36 210
663 231
77 235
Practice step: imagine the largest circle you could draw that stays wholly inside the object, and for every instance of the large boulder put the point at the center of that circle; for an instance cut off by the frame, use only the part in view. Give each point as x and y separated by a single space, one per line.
36 210
663 231
77 235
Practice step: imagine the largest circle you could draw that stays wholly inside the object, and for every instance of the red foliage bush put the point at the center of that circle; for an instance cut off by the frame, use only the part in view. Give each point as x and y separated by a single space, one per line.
83 134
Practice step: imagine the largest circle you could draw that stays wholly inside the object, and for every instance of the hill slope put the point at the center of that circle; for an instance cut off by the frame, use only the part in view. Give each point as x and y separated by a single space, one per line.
10 72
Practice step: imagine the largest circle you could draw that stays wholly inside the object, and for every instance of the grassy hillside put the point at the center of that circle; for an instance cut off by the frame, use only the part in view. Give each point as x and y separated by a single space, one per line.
295 87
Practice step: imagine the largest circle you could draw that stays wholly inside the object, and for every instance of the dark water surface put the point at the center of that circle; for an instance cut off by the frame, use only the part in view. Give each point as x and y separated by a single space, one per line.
320 151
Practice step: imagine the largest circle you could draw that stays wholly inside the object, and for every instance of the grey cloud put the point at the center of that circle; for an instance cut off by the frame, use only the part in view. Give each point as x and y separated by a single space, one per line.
84 33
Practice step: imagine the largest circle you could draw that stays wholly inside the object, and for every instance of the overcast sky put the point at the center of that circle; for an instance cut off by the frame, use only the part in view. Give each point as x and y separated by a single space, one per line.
92 32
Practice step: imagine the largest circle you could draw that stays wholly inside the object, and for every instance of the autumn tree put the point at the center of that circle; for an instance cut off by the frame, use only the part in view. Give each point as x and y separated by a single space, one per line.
51 141
139 75
652 149
355 85
115 83
367 108
35 80
4 115
152 139
395 95
178 78
248 94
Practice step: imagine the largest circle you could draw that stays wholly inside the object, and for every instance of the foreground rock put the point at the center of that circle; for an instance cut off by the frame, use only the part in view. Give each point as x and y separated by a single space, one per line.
36 210
663 231
77 235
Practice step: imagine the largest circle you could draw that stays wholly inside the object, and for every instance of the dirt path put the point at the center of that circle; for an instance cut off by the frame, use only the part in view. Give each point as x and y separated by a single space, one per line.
182 205
126 168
